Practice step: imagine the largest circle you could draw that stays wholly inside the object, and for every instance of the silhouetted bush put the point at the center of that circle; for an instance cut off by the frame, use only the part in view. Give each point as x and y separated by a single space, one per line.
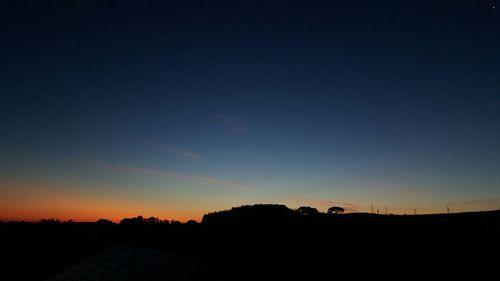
175 222
191 222
307 211
104 222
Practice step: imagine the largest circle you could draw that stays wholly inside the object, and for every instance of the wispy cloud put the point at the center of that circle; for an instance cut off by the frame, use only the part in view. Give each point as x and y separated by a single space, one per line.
164 173
230 122
349 207
179 150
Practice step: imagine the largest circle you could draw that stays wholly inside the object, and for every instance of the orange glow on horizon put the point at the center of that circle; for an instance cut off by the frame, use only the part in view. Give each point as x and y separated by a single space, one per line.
33 203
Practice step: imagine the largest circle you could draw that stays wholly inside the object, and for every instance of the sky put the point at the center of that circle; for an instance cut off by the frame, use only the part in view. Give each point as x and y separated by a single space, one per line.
173 109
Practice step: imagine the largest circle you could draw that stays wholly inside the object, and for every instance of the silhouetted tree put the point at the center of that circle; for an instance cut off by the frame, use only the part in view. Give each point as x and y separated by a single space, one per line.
175 222
191 222
152 220
336 210
104 222
307 211
135 221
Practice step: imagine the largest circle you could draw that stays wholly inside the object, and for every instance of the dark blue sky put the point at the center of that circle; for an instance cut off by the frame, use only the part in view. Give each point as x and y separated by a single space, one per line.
175 108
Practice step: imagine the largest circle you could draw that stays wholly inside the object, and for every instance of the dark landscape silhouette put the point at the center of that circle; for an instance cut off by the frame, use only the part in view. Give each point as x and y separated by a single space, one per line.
133 133
256 242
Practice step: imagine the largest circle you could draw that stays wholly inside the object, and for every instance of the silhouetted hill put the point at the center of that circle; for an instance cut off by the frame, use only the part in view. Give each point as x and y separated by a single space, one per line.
259 214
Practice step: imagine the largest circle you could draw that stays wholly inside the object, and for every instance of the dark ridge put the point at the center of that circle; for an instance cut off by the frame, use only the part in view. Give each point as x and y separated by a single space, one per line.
250 214
254 243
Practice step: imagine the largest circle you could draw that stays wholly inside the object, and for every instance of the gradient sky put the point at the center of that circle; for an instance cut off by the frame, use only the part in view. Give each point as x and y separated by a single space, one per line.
172 109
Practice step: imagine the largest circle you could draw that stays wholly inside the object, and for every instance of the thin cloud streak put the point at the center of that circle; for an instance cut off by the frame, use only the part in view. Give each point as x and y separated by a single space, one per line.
182 151
167 174
230 122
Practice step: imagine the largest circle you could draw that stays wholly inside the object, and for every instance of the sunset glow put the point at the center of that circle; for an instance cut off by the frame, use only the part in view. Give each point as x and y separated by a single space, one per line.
176 113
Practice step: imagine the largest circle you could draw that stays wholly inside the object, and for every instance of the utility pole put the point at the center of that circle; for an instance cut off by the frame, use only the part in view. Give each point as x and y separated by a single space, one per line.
377 211
372 209
448 209
386 210
415 211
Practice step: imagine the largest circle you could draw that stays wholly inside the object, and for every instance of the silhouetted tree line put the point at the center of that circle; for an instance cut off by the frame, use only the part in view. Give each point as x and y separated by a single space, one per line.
139 220
49 221
255 213
53 221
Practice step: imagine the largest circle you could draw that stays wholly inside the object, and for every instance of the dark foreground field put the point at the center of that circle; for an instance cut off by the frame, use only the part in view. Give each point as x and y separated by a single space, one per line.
258 243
